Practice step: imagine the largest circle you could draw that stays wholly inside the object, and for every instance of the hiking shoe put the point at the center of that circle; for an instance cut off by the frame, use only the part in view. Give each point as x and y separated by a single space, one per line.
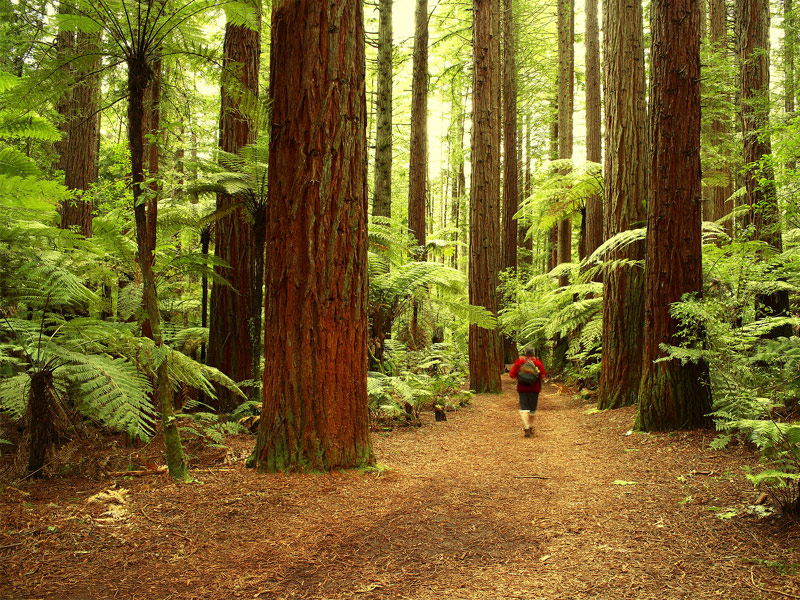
528 432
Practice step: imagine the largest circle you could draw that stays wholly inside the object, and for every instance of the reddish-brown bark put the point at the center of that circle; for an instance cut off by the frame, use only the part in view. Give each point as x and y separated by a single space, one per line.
673 395
485 354
314 413
81 135
229 347
625 173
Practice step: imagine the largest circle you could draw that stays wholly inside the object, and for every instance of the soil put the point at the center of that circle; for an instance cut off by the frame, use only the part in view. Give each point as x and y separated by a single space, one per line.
463 509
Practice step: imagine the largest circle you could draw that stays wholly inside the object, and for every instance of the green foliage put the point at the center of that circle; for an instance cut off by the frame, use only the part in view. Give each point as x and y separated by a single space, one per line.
423 378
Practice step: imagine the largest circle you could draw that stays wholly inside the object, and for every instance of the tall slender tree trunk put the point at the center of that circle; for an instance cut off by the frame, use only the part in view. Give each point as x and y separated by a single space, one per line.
457 166
139 75
790 42
526 241
673 395
382 198
510 156
380 321
418 166
566 76
315 413
721 204
485 353
626 189
79 156
233 312
593 216
752 44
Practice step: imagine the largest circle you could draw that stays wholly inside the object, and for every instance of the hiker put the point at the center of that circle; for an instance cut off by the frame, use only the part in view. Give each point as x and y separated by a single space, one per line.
528 370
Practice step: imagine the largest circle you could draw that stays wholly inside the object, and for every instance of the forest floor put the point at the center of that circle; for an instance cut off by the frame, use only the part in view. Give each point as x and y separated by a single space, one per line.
462 509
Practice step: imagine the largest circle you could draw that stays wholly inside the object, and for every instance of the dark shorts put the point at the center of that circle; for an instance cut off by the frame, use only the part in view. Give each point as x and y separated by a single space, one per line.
528 401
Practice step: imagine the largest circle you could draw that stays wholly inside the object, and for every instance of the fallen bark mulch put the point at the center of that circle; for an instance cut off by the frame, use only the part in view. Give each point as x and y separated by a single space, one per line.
462 509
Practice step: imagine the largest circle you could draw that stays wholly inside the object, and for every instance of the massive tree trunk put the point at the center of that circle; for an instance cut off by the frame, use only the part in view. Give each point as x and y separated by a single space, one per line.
673 395
315 413
566 76
593 215
626 189
485 354
382 198
79 148
752 44
233 311
418 167
510 156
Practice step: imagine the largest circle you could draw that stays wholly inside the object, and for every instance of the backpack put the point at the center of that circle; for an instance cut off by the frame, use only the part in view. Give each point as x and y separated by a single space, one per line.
528 373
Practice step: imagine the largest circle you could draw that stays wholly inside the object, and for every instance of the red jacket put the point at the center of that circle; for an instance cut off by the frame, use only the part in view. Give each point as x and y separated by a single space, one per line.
521 387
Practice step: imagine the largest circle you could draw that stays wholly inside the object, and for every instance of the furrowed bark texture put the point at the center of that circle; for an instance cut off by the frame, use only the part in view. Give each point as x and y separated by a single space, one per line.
673 395
229 349
79 159
485 353
418 166
593 221
510 158
752 44
382 199
314 413
626 190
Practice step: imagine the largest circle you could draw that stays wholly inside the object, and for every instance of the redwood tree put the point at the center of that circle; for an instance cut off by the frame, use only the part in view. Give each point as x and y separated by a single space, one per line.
625 172
82 131
752 45
314 414
592 229
382 194
673 395
566 76
510 157
719 204
418 166
235 309
485 352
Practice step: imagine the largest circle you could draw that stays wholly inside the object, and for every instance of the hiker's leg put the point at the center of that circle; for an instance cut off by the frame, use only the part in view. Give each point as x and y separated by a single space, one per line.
533 403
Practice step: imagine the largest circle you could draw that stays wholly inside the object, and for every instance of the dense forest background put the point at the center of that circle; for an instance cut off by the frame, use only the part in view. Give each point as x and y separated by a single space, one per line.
328 217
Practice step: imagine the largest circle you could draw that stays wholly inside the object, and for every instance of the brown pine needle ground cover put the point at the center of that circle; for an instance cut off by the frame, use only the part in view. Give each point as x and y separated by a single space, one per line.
465 509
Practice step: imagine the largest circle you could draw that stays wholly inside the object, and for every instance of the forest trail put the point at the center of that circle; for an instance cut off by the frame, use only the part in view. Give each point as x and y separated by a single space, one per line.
464 509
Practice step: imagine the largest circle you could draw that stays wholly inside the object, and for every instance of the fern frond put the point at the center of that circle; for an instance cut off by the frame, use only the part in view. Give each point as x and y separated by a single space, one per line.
113 392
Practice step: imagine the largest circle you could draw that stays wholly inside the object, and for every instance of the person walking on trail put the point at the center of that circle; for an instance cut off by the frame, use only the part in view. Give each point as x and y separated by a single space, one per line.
528 370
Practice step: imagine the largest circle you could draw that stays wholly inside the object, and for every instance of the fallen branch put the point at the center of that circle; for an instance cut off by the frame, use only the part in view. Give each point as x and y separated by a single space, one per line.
139 473
531 477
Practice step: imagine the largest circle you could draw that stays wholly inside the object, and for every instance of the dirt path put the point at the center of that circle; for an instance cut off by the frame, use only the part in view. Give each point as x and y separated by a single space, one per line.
466 509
